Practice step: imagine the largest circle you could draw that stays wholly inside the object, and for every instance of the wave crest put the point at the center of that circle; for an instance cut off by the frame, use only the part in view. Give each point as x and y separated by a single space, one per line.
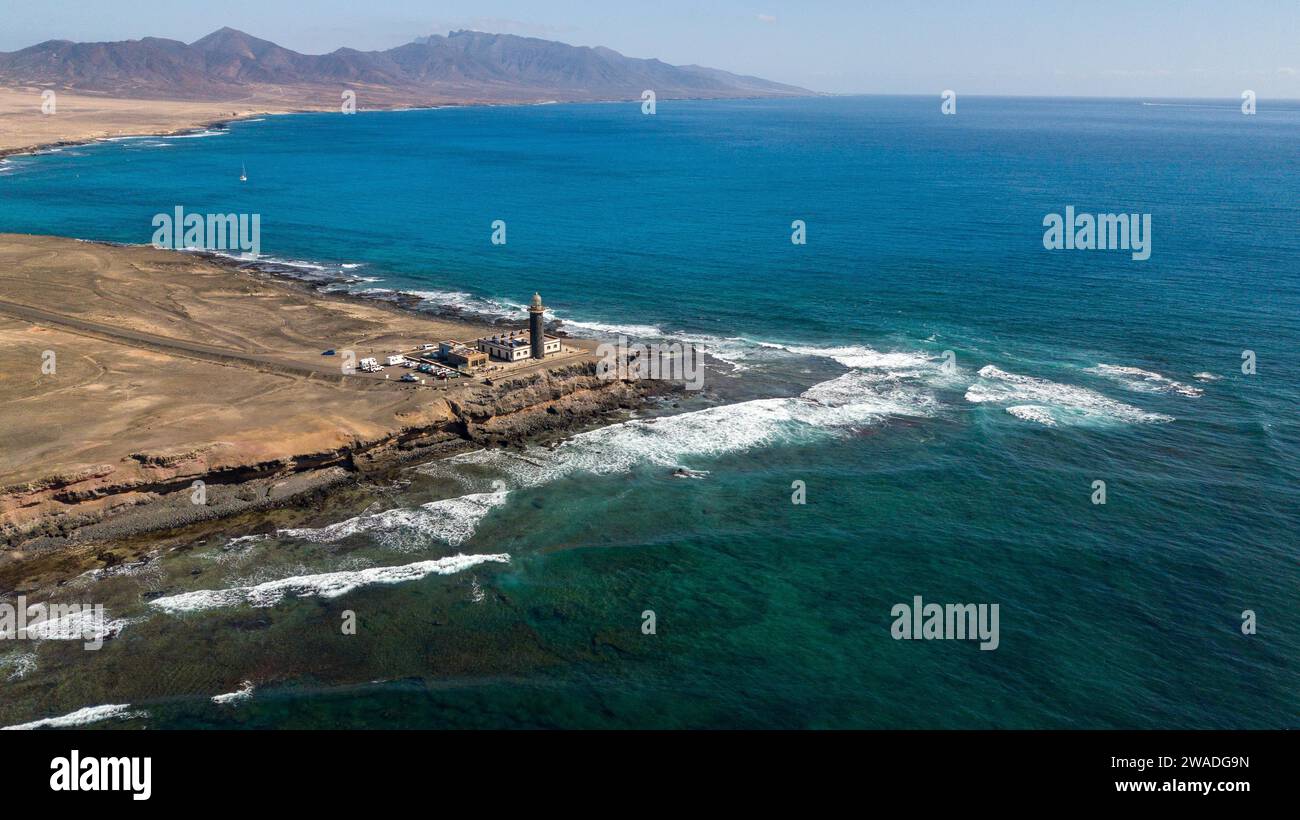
1035 399
324 585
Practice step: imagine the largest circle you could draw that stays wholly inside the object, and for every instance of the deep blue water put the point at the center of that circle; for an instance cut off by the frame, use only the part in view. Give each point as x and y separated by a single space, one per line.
924 236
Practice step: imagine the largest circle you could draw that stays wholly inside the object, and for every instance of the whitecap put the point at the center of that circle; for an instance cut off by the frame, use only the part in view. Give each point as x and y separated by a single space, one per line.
452 520
735 351
468 303
211 132
83 717
1064 403
852 400
244 692
613 329
1033 412
860 356
325 585
86 624
1145 381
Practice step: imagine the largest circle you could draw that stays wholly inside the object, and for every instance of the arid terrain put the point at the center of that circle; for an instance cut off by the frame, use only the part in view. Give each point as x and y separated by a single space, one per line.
129 373
83 117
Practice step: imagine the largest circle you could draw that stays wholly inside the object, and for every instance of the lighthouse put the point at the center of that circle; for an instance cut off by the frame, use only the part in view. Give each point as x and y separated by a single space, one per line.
535 334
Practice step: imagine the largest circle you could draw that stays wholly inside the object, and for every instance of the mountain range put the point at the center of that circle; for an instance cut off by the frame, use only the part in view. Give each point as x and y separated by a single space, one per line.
463 65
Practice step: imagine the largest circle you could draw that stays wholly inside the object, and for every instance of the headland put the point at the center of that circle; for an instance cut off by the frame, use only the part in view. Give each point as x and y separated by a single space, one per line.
136 377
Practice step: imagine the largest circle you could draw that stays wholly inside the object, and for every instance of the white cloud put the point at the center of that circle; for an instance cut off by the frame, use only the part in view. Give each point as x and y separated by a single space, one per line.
767 18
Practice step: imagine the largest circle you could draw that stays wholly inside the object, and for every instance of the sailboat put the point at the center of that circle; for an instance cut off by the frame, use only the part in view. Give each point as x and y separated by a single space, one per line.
243 173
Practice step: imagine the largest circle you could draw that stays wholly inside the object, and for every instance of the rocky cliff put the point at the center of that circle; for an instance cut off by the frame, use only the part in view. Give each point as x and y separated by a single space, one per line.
149 491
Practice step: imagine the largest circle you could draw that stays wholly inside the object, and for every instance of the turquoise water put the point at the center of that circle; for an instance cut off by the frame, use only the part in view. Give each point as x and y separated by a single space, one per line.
971 485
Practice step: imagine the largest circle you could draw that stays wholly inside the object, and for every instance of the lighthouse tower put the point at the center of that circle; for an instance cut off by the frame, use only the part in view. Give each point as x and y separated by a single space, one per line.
535 334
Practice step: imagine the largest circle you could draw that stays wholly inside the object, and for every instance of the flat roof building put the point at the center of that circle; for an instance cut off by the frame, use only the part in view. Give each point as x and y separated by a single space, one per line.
462 355
515 346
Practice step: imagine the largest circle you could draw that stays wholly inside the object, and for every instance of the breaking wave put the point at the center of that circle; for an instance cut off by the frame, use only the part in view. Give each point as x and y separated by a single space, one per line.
858 356
210 132
83 625
452 520
244 692
607 329
852 400
1145 381
83 717
470 305
325 585
1051 403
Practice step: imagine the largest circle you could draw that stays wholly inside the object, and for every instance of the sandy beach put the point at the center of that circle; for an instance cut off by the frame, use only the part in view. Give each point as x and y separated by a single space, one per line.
82 118
78 117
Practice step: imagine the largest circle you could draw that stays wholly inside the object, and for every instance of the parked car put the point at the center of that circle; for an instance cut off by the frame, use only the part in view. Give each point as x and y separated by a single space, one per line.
409 377
329 352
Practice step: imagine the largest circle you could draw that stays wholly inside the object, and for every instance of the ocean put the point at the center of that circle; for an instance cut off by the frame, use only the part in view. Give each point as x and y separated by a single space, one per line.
942 390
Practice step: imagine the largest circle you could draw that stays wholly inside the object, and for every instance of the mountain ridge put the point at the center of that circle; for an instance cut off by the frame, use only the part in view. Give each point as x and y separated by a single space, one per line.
229 64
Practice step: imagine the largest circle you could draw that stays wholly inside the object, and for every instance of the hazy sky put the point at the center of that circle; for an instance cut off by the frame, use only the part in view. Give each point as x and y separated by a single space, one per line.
1142 48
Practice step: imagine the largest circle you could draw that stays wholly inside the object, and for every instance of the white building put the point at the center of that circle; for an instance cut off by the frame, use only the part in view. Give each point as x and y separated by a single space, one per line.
515 346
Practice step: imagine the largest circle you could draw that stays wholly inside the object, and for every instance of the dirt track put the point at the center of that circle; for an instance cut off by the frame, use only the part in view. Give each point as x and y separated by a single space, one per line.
161 352
162 344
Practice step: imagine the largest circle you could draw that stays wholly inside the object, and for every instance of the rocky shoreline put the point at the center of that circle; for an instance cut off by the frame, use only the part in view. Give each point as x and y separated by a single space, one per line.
144 433
160 494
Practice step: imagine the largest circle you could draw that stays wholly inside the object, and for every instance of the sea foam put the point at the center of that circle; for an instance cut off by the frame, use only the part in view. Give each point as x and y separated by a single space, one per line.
860 356
852 400
451 520
1145 381
83 717
325 585
244 692
1052 403
83 625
